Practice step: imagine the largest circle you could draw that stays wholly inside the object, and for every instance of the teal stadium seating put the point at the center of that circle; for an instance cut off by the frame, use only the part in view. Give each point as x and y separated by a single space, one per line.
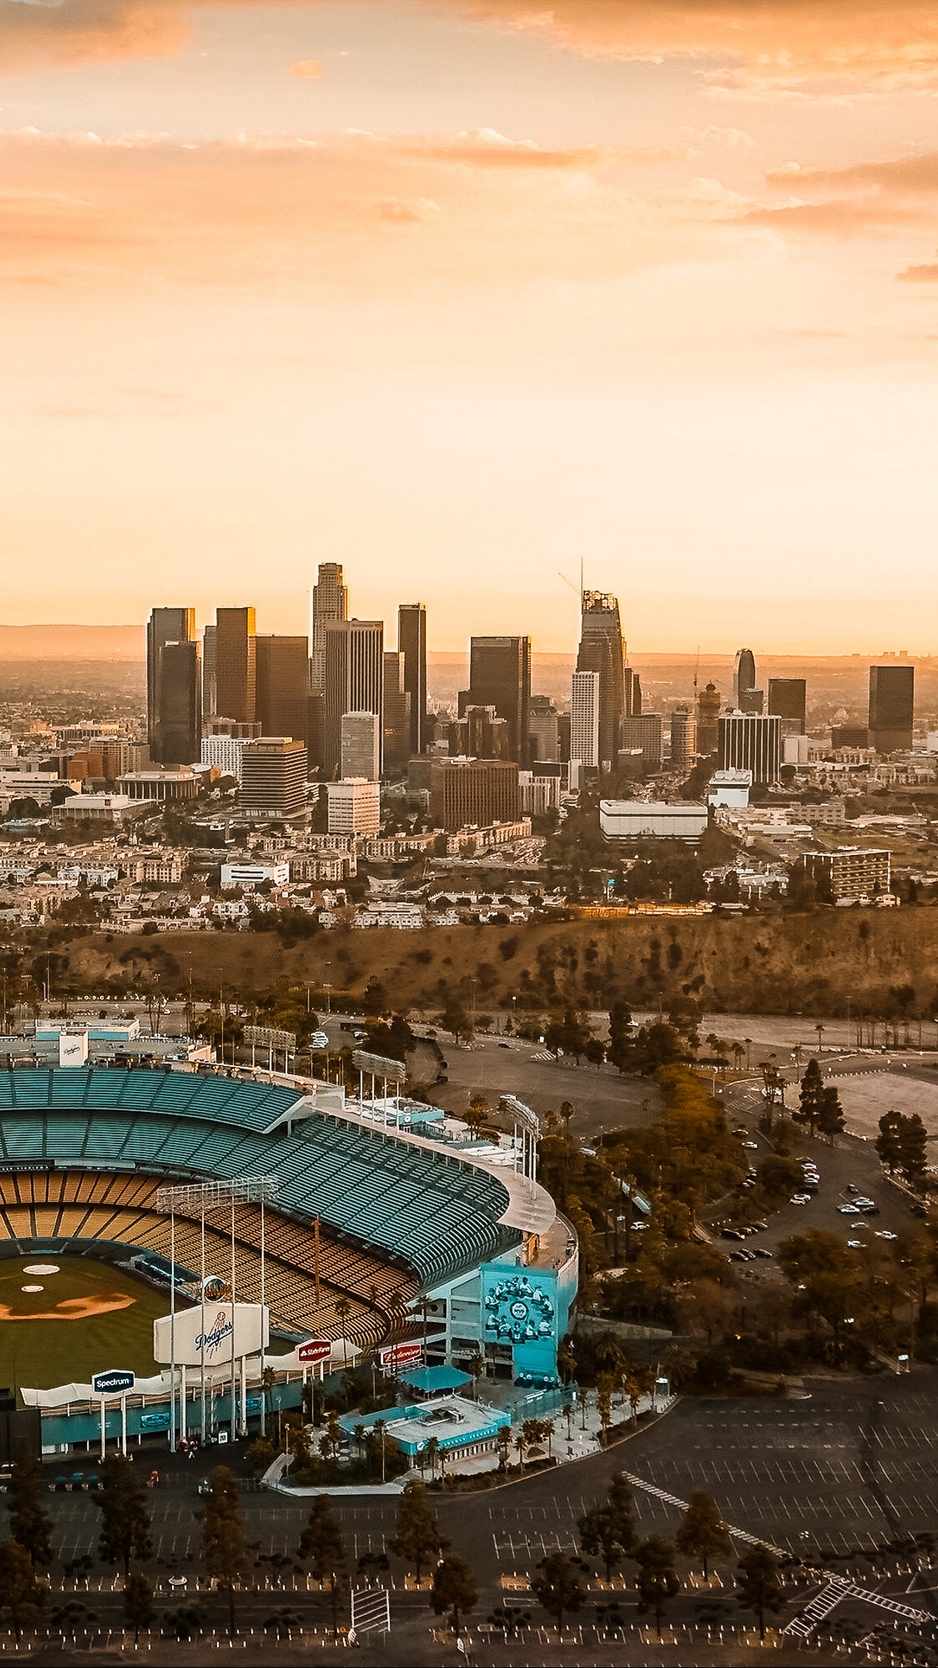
424 1209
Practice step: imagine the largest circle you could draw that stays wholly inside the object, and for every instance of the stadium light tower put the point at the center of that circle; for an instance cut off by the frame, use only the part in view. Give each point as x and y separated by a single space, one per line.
196 1200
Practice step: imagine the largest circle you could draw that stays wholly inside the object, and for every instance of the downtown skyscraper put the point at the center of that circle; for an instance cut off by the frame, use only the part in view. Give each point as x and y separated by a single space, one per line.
602 650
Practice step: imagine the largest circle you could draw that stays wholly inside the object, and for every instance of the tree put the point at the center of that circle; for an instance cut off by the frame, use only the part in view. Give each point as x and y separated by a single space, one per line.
889 1141
20 1593
225 1551
608 1531
558 1586
418 1537
30 1523
759 1587
703 1534
453 1589
343 1310
139 1612
809 1096
125 1520
913 1145
322 1547
830 1117
657 1578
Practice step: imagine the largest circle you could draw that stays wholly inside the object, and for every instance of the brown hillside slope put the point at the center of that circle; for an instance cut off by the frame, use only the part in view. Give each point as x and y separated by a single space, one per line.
882 962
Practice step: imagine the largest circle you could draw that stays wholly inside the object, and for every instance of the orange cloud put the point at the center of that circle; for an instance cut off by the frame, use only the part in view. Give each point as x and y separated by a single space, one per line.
745 48
920 274
306 69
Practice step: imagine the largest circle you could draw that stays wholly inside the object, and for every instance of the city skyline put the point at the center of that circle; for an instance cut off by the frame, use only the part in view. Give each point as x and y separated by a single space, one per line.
459 296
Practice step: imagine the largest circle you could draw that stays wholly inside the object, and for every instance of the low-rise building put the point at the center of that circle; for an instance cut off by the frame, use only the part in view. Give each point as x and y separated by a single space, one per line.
850 873
637 819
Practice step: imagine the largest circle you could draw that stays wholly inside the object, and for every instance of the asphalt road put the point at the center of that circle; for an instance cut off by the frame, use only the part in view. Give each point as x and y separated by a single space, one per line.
835 1476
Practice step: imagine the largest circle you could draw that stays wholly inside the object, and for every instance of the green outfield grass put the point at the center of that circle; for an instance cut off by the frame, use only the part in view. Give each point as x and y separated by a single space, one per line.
39 1353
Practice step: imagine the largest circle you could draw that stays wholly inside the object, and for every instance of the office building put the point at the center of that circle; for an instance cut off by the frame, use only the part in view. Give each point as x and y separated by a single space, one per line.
641 819
473 793
282 686
730 788
209 701
540 789
236 663
751 741
500 677
788 700
850 873
480 734
165 625
398 734
354 807
633 693
544 729
178 733
892 706
602 650
644 730
273 776
223 752
683 740
328 601
744 678
849 737
708 716
584 719
361 747
354 681
412 644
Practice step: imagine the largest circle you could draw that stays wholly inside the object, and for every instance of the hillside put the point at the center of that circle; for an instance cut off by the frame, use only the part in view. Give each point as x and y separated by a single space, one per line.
812 964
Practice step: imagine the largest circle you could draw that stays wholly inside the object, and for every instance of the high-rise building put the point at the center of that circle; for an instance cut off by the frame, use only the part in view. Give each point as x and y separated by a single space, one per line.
209 703
165 625
633 693
473 793
328 601
178 705
544 730
644 730
683 739
354 807
744 677
273 776
398 738
788 699
584 719
751 741
500 677
361 747
282 686
708 715
235 663
602 650
892 708
412 644
354 681
479 734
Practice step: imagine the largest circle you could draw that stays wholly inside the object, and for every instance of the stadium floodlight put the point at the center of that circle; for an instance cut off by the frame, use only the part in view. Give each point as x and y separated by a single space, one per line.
199 1197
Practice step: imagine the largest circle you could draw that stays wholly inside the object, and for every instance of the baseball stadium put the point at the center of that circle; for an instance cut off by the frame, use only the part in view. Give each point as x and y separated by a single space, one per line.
362 1234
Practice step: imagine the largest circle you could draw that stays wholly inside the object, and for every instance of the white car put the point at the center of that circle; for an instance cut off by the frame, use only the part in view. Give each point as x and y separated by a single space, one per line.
752 1146
855 1244
849 1210
883 1233
800 1199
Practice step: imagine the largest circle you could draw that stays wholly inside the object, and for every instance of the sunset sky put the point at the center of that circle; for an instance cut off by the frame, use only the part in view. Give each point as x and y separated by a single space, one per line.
461 293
